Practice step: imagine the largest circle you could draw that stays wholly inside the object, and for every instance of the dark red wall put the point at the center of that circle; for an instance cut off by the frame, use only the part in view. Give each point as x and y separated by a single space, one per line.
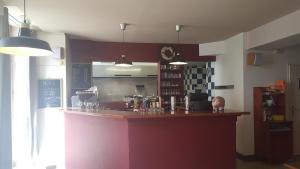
88 51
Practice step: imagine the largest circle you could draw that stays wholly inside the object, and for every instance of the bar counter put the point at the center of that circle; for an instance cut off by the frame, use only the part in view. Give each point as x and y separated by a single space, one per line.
150 115
110 139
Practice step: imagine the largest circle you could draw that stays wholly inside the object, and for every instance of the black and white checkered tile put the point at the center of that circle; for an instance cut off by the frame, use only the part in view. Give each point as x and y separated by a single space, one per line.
195 78
210 80
199 77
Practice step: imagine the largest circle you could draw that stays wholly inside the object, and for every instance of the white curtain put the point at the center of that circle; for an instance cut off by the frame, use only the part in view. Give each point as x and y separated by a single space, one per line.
5 99
24 138
21 115
38 134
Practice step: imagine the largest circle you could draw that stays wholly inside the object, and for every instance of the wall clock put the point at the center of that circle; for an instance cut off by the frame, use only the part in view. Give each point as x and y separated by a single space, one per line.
167 53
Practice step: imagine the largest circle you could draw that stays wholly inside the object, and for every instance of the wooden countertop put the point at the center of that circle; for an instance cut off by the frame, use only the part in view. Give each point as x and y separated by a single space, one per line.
150 115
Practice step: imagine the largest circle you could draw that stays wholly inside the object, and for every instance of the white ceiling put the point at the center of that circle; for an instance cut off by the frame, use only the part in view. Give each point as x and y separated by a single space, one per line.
154 20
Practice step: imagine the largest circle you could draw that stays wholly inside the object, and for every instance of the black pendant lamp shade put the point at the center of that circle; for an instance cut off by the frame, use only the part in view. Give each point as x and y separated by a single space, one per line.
178 59
123 62
24 44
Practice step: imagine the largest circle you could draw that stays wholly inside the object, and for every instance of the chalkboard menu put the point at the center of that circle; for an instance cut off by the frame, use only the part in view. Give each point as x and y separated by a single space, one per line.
49 93
81 76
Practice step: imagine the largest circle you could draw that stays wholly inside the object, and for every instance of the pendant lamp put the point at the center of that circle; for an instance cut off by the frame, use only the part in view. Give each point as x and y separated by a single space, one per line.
123 62
24 44
178 59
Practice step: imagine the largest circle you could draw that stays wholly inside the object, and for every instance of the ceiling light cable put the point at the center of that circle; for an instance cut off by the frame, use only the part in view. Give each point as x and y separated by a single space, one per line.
24 19
123 61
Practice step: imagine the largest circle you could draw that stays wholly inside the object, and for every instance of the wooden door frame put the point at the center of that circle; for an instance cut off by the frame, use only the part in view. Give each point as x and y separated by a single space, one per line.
289 97
288 92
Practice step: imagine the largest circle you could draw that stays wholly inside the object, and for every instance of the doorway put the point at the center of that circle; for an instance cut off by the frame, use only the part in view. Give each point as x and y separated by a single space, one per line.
294 103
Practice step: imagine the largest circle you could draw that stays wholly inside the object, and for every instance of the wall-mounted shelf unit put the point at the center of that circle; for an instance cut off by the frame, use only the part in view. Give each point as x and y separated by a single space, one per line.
170 83
273 134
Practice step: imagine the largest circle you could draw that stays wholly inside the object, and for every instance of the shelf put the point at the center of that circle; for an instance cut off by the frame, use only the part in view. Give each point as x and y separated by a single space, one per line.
278 122
166 87
163 78
171 71
280 130
273 94
177 103
169 95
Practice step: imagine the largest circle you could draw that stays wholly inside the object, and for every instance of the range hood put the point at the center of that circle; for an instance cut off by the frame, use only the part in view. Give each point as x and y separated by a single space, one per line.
108 69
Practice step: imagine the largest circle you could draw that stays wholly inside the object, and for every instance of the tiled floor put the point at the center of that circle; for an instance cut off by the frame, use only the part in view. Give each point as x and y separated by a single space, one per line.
262 165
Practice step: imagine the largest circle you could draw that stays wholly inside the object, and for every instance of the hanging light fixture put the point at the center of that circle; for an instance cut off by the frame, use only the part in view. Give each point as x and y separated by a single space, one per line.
123 62
24 44
178 59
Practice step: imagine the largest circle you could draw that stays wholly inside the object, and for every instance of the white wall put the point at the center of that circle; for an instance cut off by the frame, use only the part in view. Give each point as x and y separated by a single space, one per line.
229 70
52 68
281 28
274 67
212 48
50 121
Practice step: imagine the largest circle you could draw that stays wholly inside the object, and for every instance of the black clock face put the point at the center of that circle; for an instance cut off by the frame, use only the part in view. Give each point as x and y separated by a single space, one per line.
167 53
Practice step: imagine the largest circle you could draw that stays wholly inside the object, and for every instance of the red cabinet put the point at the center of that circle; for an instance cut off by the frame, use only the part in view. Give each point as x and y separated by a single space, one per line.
273 137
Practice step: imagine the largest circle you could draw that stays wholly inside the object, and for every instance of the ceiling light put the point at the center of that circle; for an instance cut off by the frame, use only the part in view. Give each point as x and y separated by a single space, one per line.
123 62
103 63
129 69
178 59
24 45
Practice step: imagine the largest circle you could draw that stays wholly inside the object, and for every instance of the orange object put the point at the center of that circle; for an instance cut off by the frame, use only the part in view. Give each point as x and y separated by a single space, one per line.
280 84
250 58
